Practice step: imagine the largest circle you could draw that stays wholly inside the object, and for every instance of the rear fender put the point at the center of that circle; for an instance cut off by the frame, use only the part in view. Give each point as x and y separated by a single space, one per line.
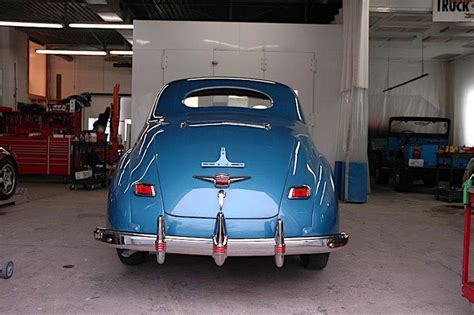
317 215
128 211
144 211
118 207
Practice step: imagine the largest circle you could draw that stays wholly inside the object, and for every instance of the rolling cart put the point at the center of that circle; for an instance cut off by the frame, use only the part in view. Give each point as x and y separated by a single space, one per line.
89 166
468 198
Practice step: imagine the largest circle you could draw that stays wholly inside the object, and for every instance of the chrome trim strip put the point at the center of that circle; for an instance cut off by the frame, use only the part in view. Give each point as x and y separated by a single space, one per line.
217 184
230 78
265 126
235 247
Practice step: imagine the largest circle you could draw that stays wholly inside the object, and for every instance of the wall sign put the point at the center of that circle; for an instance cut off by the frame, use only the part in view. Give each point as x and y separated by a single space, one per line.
453 10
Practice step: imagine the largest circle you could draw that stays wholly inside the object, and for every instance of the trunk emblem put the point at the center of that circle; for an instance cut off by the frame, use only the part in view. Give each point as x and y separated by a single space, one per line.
222 161
222 180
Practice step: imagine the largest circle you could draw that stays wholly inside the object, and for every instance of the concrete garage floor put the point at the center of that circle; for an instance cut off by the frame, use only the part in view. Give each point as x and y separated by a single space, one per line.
404 256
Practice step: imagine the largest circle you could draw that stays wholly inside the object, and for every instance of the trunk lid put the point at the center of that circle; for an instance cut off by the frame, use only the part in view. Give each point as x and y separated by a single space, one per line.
266 154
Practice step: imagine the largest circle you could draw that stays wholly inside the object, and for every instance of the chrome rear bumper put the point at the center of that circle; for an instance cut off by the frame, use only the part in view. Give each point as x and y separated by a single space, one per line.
220 246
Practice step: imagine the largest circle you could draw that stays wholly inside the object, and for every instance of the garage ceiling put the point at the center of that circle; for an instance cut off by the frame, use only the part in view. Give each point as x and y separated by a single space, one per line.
403 34
61 12
69 11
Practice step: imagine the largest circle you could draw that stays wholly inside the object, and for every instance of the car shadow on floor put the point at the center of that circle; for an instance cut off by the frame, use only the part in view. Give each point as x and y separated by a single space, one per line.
195 271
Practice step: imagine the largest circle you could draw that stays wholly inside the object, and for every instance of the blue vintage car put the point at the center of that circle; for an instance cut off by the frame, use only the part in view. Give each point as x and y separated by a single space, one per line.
224 167
410 151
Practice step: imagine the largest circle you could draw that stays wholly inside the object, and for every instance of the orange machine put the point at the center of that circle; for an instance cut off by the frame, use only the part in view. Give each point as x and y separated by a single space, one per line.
114 124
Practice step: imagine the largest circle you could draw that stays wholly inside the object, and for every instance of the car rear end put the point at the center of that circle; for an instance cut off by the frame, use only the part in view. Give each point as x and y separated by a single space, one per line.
224 182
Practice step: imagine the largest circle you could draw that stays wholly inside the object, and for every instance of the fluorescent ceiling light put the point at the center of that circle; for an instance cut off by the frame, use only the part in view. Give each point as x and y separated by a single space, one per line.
110 16
121 52
31 24
71 52
102 26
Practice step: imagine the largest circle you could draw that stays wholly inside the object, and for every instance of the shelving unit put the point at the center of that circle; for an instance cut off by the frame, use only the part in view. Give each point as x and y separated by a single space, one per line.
451 163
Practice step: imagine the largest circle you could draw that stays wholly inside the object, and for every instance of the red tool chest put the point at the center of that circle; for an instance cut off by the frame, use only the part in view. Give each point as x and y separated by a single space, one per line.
40 156
41 141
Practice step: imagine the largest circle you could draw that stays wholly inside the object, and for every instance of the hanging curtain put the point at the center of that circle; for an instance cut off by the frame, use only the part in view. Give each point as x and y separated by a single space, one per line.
351 169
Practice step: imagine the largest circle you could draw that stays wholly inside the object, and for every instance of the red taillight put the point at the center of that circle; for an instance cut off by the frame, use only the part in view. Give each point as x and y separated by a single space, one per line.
145 190
416 153
300 192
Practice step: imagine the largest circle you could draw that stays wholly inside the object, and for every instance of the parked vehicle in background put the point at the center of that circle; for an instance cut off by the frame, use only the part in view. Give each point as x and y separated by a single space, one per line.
410 152
224 167
8 173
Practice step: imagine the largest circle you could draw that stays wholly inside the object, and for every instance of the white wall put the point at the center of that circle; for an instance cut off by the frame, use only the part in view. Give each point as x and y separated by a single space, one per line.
462 97
391 64
14 49
425 97
306 57
88 74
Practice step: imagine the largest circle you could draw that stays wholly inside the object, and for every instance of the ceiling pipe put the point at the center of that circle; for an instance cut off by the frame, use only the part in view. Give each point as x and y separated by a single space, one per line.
406 82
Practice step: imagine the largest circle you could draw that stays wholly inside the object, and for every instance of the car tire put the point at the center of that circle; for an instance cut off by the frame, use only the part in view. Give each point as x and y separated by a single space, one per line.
9 179
133 259
7 268
381 176
315 261
429 180
402 179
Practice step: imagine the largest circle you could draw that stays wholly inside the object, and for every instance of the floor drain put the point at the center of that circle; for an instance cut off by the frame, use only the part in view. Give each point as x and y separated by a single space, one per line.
68 266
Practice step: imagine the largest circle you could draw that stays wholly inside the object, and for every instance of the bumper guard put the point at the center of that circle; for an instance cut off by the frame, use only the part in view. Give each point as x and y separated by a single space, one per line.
220 246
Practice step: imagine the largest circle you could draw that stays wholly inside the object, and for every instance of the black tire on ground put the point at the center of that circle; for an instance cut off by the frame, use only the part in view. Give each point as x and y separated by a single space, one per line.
429 180
132 260
403 180
9 179
7 269
315 261
381 176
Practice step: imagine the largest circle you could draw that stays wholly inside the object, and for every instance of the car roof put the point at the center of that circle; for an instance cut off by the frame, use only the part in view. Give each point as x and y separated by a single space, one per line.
284 100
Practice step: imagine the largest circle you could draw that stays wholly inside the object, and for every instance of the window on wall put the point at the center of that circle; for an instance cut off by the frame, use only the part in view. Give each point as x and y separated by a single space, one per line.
36 71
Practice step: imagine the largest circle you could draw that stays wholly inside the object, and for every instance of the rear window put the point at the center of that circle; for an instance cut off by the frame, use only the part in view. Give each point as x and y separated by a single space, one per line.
228 97
419 126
